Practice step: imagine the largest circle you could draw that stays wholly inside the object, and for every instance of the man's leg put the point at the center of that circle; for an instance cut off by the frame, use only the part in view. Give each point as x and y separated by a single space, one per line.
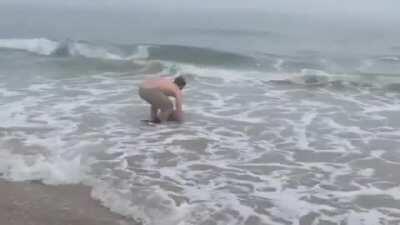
153 114
151 96
158 101
166 108
165 114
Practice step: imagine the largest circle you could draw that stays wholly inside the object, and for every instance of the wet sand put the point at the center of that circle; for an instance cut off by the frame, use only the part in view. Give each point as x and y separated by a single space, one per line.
32 203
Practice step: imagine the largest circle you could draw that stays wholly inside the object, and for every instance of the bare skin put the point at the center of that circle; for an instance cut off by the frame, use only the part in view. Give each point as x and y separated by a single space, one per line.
169 88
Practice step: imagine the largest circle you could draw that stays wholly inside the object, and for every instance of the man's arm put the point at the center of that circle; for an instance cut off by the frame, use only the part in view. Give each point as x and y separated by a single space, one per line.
178 114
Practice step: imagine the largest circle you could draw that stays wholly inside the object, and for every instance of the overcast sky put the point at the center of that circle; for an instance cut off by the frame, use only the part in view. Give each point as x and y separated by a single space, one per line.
376 13
361 7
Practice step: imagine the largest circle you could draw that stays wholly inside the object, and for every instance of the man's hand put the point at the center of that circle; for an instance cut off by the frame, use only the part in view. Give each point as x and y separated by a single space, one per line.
176 116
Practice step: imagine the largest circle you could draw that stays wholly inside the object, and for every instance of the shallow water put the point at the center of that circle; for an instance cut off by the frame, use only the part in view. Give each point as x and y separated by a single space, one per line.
268 144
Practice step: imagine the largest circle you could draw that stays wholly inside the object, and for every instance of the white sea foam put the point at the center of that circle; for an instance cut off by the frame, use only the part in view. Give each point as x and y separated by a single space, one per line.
141 53
232 75
93 51
6 93
99 52
371 217
49 170
250 151
390 58
39 45
47 47
278 64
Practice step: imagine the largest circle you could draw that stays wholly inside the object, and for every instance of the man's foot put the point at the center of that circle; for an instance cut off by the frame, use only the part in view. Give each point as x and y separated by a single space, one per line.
156 120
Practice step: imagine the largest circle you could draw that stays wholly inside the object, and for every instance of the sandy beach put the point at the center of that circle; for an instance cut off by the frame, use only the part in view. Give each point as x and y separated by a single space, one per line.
32 203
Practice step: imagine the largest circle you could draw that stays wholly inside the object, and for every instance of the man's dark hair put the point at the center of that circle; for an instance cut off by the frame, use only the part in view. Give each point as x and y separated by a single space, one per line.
180 81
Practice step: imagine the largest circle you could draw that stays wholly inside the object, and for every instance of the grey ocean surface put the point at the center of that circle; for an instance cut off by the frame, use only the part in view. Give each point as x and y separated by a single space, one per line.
290 119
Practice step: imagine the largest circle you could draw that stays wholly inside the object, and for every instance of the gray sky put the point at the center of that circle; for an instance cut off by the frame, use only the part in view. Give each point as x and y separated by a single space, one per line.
379 8
347 6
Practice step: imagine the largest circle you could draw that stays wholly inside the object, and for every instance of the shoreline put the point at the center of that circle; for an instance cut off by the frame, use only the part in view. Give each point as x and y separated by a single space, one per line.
34 203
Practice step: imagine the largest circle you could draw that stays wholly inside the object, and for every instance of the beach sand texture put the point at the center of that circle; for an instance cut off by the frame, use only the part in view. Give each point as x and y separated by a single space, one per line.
32 203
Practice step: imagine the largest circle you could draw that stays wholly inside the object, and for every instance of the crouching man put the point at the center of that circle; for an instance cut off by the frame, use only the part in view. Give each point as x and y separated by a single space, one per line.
156 93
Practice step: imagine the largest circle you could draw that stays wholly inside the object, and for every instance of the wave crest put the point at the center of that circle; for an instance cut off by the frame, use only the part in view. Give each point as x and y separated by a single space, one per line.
46 47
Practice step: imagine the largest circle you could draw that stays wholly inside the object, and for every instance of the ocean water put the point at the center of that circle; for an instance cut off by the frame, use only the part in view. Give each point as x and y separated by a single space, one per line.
274 133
